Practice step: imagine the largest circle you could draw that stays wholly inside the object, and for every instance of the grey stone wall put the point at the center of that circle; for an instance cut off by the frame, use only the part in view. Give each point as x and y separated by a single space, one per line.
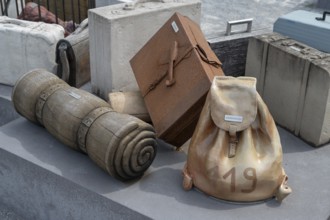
232 54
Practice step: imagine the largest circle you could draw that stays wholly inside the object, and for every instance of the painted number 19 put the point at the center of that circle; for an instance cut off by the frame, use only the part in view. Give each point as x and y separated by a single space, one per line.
249 174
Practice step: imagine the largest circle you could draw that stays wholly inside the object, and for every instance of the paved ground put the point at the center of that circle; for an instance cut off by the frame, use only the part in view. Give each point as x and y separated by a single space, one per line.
7 214
215 14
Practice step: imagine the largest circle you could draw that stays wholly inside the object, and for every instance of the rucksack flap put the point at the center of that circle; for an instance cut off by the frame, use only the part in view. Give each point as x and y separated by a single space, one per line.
233 102
253 170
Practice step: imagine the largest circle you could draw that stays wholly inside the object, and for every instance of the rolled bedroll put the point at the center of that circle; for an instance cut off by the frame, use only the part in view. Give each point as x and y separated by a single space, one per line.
122 145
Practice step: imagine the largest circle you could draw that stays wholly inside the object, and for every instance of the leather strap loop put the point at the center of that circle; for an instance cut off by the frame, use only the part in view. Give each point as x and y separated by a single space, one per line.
173 54
65 75
86 123
43 99
176 62
204 57
232 141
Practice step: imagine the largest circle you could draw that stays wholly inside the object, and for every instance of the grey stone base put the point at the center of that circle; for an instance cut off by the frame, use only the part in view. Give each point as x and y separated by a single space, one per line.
34 192
43 179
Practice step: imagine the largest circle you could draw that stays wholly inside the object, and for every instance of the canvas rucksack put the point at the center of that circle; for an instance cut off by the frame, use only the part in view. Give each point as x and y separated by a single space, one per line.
235 153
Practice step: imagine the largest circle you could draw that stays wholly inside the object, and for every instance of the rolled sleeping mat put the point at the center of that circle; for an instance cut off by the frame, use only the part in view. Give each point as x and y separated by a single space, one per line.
128 143
122 145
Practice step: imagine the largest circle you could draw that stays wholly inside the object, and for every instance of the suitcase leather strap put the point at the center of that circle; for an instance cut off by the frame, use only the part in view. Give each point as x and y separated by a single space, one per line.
44 95
204 57
175 59
86 123
202 52
173 54
180 57
64 61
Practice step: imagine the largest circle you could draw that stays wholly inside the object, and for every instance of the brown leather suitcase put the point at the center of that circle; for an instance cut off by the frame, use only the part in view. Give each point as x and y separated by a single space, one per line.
174 71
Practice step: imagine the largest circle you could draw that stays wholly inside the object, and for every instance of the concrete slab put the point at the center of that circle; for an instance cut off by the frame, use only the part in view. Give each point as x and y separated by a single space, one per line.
35 185
61 182
7 110
7 214
5 91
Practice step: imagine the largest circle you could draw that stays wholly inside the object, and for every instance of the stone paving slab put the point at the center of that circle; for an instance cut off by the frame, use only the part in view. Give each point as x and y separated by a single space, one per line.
6 213
215 14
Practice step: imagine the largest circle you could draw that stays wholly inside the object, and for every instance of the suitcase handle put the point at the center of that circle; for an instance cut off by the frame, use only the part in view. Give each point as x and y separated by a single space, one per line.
323 17
173 54
65 63
232 23
296 46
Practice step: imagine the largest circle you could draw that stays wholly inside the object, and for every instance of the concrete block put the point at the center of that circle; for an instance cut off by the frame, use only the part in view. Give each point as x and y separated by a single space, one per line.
117 34
26 45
